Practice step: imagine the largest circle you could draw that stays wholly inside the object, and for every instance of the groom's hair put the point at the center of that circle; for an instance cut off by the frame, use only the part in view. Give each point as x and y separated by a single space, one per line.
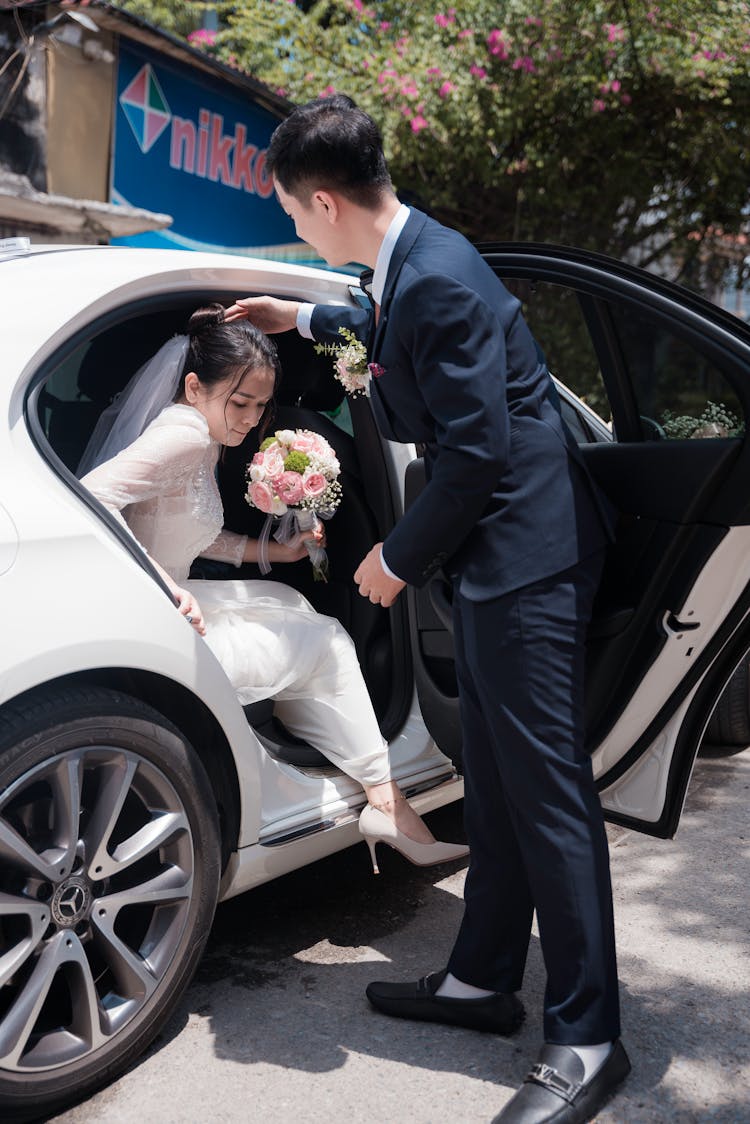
330 143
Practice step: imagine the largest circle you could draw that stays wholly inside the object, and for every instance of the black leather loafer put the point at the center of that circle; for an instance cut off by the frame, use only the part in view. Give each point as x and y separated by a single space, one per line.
554 1092
497 1013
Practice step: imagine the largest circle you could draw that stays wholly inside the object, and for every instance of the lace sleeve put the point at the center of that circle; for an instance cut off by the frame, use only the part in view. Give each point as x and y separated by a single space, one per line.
157 463
228 547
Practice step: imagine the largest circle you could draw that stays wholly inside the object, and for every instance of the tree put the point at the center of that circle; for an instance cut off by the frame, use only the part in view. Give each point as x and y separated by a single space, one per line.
622 126
619 125
614 124
179 17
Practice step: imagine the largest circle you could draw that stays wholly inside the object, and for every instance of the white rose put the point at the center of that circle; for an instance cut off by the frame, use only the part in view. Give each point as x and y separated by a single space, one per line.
284 436
257 472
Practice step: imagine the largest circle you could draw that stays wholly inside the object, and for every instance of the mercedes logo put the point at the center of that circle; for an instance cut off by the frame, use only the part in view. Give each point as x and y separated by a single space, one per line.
70 902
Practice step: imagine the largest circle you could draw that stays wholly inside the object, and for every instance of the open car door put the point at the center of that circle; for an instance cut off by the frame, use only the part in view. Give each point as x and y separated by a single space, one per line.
671 374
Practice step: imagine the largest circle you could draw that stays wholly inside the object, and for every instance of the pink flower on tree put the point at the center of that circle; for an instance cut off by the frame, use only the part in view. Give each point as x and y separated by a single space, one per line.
626 99
409 89
418 123
614 32
477 71
466 33
445 89
203 37
496 44
525 63
599 105
384 25
445 19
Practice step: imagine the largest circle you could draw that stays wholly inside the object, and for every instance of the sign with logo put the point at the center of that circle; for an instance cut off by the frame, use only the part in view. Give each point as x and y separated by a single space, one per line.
195 148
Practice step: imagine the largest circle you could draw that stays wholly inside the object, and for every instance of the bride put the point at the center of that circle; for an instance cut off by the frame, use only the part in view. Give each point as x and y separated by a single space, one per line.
151 462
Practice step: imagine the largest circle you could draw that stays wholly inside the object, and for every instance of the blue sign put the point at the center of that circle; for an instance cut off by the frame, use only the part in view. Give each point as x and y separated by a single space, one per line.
193 147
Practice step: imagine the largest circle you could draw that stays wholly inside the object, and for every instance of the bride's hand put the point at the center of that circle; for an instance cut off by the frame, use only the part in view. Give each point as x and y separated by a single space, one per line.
189 608
294 550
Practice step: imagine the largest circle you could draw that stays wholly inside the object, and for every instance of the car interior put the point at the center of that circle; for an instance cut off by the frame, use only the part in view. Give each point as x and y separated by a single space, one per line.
309 397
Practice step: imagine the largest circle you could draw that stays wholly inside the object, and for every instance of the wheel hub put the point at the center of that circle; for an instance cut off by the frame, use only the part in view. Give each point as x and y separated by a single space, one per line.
71 902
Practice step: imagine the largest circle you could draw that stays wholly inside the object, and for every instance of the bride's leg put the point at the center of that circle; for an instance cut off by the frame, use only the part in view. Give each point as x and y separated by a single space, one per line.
388 798
333 711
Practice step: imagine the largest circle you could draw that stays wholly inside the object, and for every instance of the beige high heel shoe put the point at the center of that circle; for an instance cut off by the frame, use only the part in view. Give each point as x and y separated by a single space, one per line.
376 827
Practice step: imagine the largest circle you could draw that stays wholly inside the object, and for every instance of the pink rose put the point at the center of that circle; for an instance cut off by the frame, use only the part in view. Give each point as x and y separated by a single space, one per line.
288 487
304 442
259 458
261 497
314 484
319 447
273 463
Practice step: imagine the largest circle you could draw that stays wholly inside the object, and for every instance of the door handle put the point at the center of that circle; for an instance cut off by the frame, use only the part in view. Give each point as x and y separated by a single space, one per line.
674 627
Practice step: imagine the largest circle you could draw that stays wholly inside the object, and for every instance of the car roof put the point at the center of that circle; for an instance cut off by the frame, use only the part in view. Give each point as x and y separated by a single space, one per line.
52 293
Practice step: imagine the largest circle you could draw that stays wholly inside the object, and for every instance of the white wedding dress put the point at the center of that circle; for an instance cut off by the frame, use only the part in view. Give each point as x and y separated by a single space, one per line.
267 637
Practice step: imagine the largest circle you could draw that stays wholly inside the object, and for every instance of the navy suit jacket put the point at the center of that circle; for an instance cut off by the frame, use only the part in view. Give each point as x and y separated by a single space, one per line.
508 500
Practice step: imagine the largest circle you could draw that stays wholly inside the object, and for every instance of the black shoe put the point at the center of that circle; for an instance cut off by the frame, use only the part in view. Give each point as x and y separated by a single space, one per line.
497 1013
554 1092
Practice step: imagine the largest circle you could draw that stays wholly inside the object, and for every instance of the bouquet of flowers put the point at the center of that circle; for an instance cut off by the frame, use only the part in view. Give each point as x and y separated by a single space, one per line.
293 479
350 364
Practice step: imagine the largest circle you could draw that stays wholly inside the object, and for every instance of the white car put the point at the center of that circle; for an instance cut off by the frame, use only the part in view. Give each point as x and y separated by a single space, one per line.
135 790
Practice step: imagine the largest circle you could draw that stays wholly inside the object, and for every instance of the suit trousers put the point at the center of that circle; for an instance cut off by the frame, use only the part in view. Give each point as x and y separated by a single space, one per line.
533 818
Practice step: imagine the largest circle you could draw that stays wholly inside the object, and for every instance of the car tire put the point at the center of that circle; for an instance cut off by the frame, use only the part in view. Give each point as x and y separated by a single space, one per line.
109 875
728 730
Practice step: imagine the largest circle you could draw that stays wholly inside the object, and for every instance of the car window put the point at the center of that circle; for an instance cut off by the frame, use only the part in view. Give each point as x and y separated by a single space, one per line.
679 392
553 312
67 411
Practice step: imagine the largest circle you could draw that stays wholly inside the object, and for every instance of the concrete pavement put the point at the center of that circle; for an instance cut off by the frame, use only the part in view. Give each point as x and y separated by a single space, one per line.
275 1027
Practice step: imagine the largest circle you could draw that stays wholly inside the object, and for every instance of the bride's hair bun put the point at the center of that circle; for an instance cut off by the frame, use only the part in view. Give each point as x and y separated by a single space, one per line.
206 318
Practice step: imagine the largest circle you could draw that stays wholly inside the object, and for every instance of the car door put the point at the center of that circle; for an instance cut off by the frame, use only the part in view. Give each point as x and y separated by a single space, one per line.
671 375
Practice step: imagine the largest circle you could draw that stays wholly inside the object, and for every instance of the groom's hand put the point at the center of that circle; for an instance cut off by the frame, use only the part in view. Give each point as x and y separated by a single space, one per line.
270 314
373 581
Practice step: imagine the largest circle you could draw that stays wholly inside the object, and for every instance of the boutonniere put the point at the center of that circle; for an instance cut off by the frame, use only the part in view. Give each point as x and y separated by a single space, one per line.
350 364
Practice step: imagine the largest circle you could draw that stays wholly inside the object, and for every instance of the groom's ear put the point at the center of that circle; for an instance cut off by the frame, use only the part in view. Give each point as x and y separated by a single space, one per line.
327 204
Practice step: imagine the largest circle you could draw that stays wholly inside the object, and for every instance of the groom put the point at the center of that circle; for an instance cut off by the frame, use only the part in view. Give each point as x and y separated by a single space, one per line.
510 514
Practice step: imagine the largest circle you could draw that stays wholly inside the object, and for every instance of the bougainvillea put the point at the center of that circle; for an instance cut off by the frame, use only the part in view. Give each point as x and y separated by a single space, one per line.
612 124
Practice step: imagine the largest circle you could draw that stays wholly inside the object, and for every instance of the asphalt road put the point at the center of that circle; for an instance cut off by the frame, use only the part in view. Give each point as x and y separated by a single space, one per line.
275 1027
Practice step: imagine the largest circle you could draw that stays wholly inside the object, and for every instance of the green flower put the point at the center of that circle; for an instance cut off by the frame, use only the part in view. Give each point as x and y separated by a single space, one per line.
269 441
296 461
